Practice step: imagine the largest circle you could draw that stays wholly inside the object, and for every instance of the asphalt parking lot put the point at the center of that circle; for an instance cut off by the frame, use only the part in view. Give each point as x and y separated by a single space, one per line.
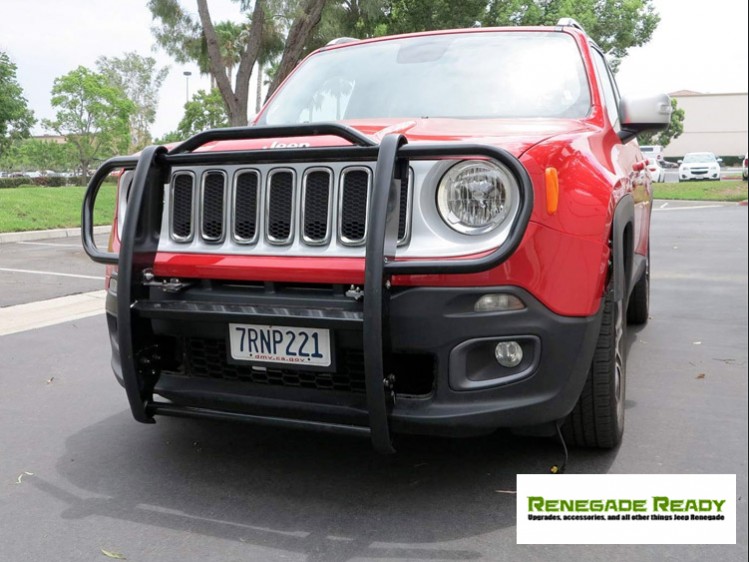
78 475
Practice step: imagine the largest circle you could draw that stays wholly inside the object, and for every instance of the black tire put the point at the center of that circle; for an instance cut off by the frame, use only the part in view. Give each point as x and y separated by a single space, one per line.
598 417
638 307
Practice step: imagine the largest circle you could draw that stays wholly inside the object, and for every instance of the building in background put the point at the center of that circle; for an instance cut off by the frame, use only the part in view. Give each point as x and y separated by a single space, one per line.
59 139
712 123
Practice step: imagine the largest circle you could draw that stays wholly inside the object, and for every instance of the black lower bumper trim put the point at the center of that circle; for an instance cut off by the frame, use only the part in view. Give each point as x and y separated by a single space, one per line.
193 412
467 397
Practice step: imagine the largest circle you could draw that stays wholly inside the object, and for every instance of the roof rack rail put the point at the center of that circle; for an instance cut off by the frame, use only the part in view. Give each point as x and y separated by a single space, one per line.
570 22
341 41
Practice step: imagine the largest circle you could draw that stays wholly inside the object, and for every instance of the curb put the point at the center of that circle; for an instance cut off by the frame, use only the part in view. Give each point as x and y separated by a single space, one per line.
10 237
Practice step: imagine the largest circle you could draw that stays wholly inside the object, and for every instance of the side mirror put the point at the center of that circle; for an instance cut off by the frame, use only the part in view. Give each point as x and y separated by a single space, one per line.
680 161
719 159
652 113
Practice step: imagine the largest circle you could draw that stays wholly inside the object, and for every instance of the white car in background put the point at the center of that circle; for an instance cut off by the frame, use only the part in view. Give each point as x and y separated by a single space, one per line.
699 166
652 151
655 170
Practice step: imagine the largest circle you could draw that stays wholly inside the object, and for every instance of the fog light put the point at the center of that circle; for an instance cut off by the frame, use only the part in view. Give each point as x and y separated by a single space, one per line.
113 285
497 302
508 353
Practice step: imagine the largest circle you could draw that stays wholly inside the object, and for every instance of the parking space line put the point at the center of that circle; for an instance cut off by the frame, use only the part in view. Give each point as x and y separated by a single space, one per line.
50 244
54 273
690 207
30 316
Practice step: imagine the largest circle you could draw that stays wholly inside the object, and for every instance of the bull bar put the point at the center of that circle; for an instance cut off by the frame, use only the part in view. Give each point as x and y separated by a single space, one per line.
142 227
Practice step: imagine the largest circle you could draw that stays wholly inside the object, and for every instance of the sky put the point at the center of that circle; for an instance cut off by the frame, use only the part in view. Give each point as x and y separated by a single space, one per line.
694 48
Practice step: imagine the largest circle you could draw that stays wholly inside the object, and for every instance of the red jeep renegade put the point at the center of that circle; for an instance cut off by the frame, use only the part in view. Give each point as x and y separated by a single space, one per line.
438 233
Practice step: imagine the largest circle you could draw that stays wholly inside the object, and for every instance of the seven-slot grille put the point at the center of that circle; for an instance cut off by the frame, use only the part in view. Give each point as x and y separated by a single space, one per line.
275 195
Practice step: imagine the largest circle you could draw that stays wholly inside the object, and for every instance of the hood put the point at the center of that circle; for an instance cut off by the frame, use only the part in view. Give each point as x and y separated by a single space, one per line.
514 135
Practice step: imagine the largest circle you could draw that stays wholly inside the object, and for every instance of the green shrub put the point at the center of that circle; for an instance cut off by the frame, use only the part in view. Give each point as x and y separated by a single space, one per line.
732 161
56 181
7 183
42 181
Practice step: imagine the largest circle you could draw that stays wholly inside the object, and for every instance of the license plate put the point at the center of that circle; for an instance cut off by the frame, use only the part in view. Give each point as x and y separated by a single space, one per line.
280 344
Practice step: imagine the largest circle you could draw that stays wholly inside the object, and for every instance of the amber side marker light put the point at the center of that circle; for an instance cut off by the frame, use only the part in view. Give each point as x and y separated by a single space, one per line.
552 190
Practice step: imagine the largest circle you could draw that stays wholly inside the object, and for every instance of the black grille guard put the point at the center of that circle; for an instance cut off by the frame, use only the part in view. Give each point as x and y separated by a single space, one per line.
142 227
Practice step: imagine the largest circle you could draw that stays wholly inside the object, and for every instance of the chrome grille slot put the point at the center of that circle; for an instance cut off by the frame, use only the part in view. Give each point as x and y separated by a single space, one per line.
317 185
183 187
404 212
245 218
353 203
212 208
280 206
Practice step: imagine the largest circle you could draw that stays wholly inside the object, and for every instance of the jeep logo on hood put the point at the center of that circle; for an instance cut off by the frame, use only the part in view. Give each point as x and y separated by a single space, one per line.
276 144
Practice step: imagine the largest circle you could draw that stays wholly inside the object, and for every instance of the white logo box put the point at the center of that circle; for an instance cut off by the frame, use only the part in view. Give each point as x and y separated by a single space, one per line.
662 509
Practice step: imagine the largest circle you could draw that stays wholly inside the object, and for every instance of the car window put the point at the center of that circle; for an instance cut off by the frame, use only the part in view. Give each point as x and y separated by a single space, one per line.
699 157
457 75
608 87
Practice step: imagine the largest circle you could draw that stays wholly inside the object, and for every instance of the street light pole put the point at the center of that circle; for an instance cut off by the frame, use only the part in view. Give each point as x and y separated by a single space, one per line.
187 75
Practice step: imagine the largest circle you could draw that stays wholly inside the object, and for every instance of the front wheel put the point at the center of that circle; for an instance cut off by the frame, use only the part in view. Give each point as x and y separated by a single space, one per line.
598 417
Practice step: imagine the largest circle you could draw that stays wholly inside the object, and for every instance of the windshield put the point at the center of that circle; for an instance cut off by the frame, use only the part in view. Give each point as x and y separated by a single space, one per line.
699 157
460 75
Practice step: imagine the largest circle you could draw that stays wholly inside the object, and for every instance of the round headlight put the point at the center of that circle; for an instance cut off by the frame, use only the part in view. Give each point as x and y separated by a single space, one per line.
476 196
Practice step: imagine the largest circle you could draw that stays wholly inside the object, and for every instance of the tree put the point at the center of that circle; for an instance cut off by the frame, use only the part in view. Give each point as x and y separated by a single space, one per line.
271 47
10 160
92 114
140 80
615 25
16 119
308 15
182 35
406 16
204 111
36 154
673 131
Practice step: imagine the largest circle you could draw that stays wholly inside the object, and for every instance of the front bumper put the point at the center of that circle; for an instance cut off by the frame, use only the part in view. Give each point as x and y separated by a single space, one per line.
687 174
447 380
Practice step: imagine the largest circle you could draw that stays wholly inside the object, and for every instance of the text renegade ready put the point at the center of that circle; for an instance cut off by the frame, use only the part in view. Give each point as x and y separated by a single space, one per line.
658 503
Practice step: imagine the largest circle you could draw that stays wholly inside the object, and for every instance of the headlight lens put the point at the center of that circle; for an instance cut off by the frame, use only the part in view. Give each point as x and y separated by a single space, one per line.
476 196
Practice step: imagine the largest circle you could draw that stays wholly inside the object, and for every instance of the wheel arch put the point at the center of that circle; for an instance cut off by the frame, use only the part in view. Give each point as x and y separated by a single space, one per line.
622 246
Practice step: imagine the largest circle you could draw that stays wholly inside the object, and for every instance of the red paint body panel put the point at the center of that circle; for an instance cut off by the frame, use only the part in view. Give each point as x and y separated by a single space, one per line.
573 290
260 268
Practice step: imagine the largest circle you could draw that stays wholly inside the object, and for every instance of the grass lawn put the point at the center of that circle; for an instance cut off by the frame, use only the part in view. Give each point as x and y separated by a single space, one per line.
41 208
726 190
